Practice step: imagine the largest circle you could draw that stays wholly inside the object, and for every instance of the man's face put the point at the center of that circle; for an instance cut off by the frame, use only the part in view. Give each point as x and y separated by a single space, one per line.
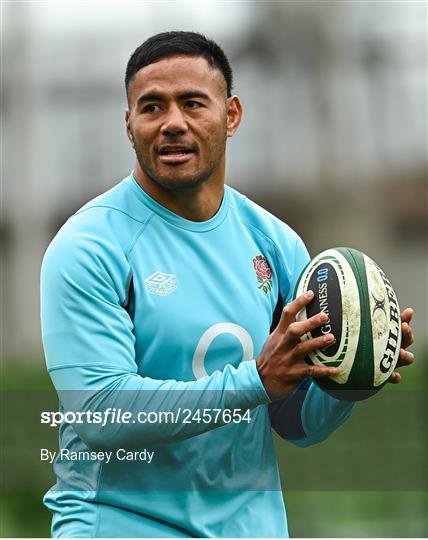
178 120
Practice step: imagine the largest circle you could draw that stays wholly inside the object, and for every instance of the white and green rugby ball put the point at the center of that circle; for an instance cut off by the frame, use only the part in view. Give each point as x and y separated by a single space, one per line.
364 317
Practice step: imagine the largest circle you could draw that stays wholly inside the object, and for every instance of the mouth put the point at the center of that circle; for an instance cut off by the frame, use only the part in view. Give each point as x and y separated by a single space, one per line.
175 154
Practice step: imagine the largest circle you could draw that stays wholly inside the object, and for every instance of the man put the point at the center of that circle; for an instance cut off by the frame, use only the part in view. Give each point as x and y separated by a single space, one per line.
167 293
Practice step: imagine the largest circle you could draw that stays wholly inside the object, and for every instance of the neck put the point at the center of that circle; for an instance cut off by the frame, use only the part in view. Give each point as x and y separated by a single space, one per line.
197 204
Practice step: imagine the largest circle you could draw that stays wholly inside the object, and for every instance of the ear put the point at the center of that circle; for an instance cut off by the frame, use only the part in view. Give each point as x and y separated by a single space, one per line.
128 127
234 114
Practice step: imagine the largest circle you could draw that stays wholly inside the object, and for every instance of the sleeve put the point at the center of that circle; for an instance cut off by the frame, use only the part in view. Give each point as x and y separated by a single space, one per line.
308 415
89 343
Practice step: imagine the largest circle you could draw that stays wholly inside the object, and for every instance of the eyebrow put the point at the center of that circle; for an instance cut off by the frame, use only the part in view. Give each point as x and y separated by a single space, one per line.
155 96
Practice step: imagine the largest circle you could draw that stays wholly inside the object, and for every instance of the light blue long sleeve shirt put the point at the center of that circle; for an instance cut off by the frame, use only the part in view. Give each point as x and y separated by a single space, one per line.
143 310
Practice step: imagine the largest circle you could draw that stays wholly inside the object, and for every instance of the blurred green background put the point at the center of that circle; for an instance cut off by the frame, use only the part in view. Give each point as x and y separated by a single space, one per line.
333 141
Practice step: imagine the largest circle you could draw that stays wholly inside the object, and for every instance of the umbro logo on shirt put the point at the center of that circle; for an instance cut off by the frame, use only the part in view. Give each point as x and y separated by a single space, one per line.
161 283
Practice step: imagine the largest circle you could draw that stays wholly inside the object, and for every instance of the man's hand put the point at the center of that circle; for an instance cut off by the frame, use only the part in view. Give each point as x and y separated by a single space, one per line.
406 357
281 363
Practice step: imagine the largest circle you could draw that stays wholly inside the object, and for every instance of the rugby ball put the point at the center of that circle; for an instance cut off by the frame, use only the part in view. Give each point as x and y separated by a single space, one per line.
364 317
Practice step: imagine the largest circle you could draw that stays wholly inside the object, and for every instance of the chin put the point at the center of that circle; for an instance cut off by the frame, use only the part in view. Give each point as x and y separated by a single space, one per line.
180 182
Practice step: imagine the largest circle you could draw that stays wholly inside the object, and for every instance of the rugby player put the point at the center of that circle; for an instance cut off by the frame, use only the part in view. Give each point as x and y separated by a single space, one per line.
173 288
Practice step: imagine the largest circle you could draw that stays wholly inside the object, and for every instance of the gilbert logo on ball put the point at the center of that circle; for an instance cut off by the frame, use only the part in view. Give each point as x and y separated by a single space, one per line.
364 317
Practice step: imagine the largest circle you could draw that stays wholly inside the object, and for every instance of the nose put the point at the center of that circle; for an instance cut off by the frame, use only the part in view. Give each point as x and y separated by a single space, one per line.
174 122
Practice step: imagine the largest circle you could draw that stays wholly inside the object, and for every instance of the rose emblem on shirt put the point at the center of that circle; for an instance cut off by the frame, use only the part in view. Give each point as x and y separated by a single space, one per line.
263 273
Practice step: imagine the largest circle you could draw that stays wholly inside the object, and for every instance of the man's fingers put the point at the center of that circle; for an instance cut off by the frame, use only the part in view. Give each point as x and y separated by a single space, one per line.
406 315
395 378
302 348
407 337
321 371
405 358
292 309
298 329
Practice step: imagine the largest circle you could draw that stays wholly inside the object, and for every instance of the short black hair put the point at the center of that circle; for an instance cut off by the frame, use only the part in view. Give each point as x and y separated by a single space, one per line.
179 43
